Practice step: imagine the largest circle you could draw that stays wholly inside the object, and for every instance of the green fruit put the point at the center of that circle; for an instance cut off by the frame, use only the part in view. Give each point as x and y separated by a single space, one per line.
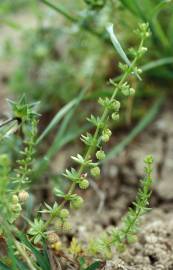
76 203
95 171
108 132
100 155
84 184
105 137
115 116
66 227
59 225
64 213
116 105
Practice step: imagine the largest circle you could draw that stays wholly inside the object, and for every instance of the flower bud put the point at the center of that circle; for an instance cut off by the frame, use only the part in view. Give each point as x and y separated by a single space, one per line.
23 196
100 155
95 171
148 159
84 184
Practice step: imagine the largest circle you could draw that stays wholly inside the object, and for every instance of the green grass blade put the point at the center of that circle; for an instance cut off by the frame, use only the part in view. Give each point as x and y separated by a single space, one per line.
157 63
160 7
42 260
145 12
94 266
11 253
131 5
60 114
118 47
60 10
64 135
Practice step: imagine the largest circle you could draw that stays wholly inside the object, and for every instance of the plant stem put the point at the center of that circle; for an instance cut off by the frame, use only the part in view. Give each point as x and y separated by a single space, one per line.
91 148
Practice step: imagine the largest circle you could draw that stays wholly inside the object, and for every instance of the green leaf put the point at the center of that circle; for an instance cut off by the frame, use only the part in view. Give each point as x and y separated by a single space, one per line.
59 193
94 266
41 258
71 174
82 261
118 47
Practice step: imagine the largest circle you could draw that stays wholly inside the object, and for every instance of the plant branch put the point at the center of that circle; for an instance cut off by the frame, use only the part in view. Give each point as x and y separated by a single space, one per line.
91 148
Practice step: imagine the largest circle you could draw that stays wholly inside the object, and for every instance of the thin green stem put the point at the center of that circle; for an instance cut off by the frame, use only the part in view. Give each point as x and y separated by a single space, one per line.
60 10
91 148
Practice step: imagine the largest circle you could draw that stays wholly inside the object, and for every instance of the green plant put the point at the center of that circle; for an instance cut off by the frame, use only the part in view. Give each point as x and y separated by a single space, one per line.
126 233
101 135
54 218
14 184
159 16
